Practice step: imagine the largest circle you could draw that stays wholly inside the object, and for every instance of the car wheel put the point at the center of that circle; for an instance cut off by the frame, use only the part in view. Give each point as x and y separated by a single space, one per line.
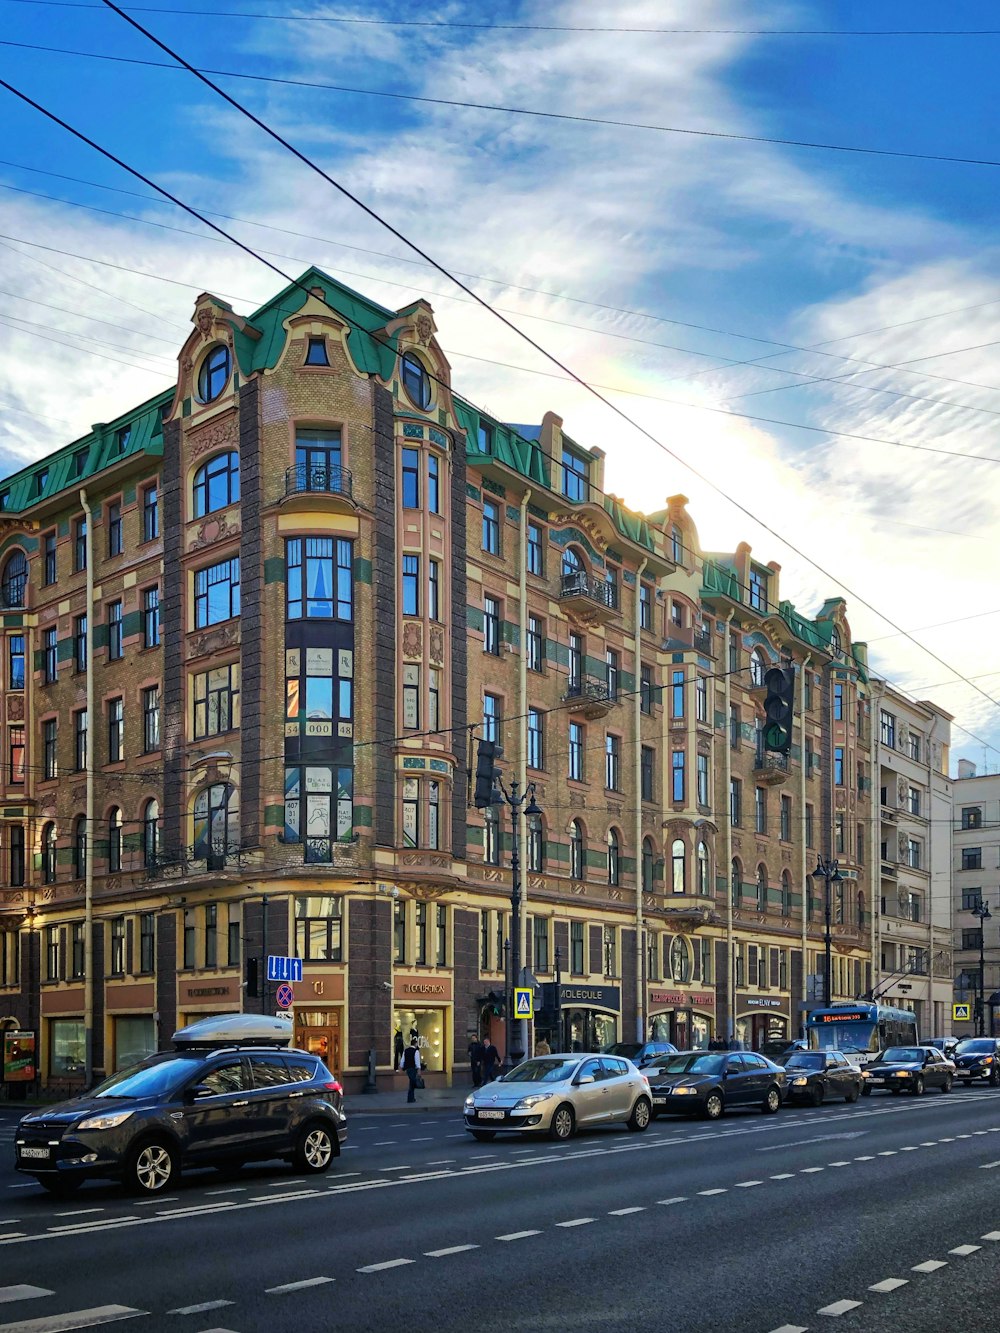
817 1095
771 1102
947 1085
484 1135
714 1106
563 1123
60 1186
152 1168
853 1095
641 1115
865 1090
314 1151
918 1086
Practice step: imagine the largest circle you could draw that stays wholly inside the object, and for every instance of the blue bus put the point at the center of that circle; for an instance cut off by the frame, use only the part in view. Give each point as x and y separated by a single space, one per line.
860 1029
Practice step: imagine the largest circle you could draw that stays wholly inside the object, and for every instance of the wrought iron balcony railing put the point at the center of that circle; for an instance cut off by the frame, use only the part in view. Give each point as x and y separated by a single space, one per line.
321 478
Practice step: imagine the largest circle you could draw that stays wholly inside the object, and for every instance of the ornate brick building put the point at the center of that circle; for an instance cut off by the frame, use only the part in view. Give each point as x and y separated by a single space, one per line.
251 631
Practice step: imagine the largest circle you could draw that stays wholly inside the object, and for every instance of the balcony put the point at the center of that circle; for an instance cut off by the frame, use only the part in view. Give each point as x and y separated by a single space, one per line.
319 479
198 860
588 598
703 641
890 869
592 697
889 814
769 768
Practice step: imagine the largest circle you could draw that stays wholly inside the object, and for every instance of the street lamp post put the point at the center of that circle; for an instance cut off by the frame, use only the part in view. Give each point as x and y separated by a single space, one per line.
829 872
516 1031
982 913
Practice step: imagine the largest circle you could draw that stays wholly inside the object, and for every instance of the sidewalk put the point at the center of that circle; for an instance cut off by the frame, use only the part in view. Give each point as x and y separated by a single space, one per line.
393 1100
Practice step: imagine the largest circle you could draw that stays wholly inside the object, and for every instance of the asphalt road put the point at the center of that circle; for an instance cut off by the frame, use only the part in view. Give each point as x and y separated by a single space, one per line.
883 1214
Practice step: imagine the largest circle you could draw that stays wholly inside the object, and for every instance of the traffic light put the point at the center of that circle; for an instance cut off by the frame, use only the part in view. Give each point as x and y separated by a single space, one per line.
485 770
778 706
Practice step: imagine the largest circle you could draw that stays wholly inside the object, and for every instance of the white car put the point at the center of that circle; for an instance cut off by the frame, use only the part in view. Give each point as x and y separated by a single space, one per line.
558 1094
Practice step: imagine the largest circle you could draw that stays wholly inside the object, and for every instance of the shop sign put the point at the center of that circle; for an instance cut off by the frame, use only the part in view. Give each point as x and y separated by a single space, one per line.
188 991
417 989
600 997
762 1002
678 999
19 1055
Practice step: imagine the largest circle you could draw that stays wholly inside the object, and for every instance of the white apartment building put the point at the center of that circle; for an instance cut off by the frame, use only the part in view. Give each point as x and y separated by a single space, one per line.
976 814
913 928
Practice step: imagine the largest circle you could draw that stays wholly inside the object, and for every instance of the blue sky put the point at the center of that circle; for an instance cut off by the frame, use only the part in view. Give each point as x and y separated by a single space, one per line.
773 242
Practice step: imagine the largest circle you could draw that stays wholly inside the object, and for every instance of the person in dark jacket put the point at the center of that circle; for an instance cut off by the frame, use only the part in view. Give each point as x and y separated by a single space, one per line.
410 1064
476 1050
491 1061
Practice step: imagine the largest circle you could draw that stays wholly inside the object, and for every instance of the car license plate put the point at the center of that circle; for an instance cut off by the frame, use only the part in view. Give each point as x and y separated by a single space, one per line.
35 1152
491 1115
659 1099
876 1080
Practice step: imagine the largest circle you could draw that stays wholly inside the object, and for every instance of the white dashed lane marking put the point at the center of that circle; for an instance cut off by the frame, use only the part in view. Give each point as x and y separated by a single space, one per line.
519 1235
23 1292
930 1266
839 1308
991 1235
784 1175
889 1284
203 1308
299 1286
790 1328
624 1212
680 1198
450 1249
747 1184
963 1250
59 1323
709 1193
576 1222
379 1268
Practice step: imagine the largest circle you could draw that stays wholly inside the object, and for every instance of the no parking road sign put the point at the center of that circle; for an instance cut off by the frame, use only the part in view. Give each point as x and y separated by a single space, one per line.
524 1006
283 995
961 1013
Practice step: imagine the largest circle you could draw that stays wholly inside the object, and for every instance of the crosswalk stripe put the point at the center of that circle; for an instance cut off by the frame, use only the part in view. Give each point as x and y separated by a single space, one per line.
23 1292
62 1323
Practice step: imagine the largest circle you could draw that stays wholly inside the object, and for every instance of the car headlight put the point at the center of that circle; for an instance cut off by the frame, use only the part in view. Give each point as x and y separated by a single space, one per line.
799 1082
526 1103
683 1091
901 1073
987 1059
111 1120
470 1102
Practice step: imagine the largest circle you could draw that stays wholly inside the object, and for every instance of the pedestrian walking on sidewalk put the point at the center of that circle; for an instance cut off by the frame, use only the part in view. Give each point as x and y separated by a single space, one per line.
542 1047
476 1049
491 1061
410 1064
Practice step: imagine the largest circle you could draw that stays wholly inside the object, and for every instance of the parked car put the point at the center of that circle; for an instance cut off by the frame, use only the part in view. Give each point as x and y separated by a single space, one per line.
558 1094
978 1057
815 1075
945 1044
778 1051
709 1082
640 1053
231 1092
908 1069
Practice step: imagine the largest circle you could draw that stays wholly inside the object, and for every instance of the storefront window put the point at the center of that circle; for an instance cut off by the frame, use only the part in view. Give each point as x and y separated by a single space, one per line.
66 1046
429 1026
589 1030
135 1038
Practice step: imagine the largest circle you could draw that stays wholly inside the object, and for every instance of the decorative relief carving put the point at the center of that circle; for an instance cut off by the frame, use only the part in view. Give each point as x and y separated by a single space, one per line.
615 895
903 845
536 884
413 640
214 529
426 859
578 889
212 436
436 645
902 791
15 708
214 641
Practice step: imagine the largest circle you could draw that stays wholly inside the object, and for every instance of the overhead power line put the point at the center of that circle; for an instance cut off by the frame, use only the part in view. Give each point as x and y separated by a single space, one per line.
529 27
392 95
542 351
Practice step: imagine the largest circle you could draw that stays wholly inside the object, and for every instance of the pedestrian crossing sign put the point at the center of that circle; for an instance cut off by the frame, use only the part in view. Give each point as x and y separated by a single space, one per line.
524 1002
961 1013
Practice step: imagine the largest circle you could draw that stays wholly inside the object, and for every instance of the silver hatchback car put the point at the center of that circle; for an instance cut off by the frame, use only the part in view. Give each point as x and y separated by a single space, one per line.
558 1094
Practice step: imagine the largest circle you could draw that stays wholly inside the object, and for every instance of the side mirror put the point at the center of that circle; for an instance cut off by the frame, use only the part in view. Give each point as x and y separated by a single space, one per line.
585 1078
198 1091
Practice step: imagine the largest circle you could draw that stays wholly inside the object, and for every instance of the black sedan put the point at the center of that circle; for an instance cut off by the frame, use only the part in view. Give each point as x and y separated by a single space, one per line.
978 1057
813 1076
911 1069
708 1082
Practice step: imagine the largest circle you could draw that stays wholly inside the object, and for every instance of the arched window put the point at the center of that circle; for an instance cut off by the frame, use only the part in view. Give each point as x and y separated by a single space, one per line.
214 373
703 880
216 484
758 665
761 888
491 837
534 843
647 865
80 847
680 960
678 867
786 893
614 857
15 579
151 832
572 562
416 381
49 854
575 850
216 821
736 883
114 840
836 645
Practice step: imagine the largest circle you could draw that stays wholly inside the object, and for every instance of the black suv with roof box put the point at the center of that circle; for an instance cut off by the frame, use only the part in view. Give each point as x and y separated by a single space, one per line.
231 1092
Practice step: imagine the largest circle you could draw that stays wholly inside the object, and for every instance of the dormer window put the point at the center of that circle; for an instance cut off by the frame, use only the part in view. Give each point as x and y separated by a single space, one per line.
316 354
485 438
124 435
836 646
758 590
214 373
41 479
575 477
416 380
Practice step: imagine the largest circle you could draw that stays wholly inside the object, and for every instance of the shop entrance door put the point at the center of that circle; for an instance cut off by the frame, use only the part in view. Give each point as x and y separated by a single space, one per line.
680 1029
318 1032
768 1027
